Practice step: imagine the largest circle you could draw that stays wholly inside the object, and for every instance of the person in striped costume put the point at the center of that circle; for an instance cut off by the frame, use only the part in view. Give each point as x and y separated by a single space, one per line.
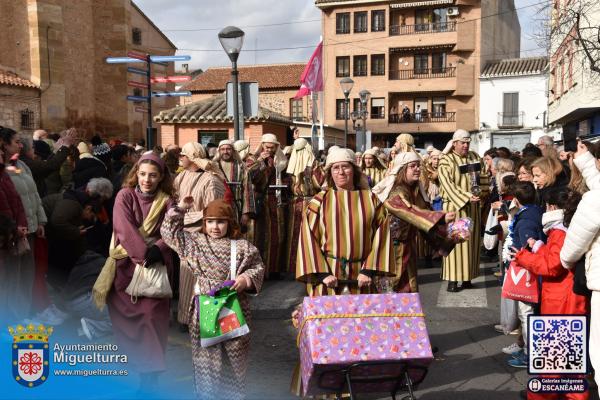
345 233
307 179
461 194
372 166
231 167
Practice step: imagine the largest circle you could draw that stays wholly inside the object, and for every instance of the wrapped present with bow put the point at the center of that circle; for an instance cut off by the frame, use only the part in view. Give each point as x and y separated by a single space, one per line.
220 315
385 333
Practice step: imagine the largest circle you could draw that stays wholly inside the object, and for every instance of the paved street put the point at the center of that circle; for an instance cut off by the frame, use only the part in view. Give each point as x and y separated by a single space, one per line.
469 364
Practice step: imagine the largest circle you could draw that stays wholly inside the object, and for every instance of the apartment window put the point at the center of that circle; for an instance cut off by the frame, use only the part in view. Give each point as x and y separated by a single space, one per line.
377 20
296 109
360 22
356 105
206 137
439 106
421 63
136 35
27 119
340 109
570 74
422 19
360 65
510 108
342 67
342 23
378 64
438 63
378 108
440 19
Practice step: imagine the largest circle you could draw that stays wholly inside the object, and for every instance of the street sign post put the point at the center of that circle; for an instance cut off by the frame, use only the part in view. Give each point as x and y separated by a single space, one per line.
135 84
138 57
171 94
170 79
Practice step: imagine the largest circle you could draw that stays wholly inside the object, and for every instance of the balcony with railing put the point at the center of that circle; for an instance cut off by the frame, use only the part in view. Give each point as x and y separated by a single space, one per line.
435 27
510 120
422 117
423 73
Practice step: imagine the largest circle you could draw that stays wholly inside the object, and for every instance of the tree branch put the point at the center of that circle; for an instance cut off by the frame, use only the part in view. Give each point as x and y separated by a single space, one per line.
593 62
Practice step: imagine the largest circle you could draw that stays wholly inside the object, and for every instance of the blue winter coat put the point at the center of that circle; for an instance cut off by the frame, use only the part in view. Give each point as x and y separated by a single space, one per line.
527 223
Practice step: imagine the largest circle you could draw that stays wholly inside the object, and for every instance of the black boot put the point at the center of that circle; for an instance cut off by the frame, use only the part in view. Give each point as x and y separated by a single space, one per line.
453 287
466 285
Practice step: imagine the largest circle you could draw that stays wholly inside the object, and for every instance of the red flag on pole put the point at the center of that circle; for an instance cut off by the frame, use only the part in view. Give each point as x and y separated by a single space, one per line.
312 77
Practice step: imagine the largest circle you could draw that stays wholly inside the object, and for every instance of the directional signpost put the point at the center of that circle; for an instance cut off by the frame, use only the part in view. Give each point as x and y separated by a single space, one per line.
137 57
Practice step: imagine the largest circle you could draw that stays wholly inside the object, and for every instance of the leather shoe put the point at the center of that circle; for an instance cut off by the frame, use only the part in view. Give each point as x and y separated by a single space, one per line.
453 287
466 285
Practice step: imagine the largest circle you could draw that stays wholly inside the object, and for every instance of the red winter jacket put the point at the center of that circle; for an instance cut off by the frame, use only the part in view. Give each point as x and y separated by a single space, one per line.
10 201
557 282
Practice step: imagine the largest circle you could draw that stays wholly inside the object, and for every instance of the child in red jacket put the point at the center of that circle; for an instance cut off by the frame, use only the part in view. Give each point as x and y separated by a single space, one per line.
557 295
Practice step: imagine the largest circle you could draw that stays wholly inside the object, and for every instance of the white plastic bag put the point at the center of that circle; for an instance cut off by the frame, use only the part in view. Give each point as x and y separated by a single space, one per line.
509 315
490 241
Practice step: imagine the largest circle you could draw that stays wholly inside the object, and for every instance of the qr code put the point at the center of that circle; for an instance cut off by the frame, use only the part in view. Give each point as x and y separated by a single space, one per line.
557 344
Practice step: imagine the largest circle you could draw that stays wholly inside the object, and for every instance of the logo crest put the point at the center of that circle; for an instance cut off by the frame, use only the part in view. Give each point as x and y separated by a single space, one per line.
30 354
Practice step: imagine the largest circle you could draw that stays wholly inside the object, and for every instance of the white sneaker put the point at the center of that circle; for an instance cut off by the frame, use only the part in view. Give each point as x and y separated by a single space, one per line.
511 349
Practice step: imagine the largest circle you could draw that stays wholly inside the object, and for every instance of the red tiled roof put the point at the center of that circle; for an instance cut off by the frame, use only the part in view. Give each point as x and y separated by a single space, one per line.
213 110
515 67
10 78
273 76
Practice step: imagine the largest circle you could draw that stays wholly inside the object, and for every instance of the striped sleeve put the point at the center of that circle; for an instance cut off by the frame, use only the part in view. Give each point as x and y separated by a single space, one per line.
451 190
380 258
311 264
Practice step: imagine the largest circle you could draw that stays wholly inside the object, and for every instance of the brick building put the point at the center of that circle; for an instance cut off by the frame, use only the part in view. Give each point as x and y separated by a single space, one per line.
60 46
423 55
19 103
206 121
277 86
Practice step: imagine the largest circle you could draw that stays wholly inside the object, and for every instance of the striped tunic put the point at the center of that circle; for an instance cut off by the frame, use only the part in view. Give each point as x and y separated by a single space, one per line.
243 194
342 233
374 174
462 264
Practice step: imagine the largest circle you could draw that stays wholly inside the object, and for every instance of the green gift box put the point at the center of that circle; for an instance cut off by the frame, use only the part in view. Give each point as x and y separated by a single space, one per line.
220 317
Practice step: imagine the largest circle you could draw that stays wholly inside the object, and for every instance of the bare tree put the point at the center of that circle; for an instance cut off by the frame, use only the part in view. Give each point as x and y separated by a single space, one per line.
576 26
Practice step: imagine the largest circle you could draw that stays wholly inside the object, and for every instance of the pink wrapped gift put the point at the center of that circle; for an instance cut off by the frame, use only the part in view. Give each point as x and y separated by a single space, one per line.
387 331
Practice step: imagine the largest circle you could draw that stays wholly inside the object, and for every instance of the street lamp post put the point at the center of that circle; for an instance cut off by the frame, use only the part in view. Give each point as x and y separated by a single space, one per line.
346 85
232 39
364 100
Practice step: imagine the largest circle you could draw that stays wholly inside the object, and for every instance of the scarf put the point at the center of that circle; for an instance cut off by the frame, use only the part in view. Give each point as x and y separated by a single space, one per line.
302 157
552 220
107 275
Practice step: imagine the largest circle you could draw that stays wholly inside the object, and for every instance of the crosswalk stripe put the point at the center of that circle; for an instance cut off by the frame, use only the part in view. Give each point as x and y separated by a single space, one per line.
476 297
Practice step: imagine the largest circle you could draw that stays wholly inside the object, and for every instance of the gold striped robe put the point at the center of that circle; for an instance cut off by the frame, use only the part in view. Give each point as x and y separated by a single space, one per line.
374 174
343 231
462 264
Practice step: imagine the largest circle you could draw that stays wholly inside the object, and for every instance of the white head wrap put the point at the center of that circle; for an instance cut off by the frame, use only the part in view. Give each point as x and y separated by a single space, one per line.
383 189
226 142
300 158
339 155
242 147
196 153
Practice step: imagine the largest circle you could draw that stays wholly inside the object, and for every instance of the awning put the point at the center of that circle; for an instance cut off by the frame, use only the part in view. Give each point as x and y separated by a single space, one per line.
379 102
421 3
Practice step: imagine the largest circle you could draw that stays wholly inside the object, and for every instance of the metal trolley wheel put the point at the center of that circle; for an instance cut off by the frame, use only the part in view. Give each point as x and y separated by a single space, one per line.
401 378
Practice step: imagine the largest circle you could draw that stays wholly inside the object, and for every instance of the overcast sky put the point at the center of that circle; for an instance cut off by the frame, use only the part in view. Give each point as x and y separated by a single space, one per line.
193 26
